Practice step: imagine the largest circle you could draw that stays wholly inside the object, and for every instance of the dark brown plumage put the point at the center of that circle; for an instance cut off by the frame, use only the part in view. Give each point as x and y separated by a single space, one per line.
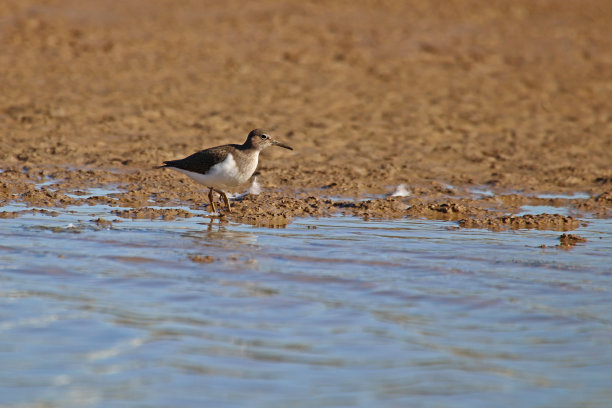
202 161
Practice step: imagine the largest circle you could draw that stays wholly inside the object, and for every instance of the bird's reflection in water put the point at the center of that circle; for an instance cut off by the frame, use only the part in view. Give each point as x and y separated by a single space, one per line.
216 232
221 223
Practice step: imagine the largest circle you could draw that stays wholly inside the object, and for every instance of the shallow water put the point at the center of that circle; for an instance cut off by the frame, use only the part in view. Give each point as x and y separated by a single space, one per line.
325 312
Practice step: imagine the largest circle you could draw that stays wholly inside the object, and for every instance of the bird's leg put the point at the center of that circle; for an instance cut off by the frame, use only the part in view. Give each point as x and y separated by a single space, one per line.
210 198
225 200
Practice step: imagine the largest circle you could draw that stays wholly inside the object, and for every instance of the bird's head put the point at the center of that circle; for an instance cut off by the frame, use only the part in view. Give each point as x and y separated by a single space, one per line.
260 139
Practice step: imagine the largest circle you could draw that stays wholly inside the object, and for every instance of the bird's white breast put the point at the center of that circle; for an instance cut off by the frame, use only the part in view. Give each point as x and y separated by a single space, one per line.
224 174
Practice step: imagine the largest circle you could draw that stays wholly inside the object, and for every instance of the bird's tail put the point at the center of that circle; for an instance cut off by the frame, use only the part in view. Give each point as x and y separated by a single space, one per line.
166 164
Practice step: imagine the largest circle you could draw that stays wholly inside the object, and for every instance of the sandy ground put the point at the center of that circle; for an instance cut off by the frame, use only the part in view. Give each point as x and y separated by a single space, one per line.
512 97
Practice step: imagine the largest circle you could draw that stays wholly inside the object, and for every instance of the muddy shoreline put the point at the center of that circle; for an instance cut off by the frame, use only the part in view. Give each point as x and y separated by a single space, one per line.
136 195
510 99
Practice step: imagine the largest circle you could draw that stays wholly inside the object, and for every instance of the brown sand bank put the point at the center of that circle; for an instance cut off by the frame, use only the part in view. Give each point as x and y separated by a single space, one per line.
513 97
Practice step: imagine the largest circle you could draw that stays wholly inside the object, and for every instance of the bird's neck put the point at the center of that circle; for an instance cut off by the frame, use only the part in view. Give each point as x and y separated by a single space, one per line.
249 148
248 151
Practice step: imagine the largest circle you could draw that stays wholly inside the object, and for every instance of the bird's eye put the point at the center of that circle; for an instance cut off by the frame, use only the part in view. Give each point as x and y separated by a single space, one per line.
264 136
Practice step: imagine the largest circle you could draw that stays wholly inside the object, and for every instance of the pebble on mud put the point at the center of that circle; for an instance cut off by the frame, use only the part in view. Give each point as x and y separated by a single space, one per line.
201 258
102 223
568 241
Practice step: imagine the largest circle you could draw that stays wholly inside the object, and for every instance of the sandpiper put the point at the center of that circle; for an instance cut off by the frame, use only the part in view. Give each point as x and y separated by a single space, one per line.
225 166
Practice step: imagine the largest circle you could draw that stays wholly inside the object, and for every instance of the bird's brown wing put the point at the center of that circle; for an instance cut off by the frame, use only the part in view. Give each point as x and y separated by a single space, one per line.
201 161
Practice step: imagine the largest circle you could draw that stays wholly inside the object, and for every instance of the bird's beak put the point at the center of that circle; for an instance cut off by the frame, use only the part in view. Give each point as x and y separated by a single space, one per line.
279 144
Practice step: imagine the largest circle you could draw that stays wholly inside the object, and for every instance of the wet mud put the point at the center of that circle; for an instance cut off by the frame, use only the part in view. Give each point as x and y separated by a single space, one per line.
554 222
477 109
